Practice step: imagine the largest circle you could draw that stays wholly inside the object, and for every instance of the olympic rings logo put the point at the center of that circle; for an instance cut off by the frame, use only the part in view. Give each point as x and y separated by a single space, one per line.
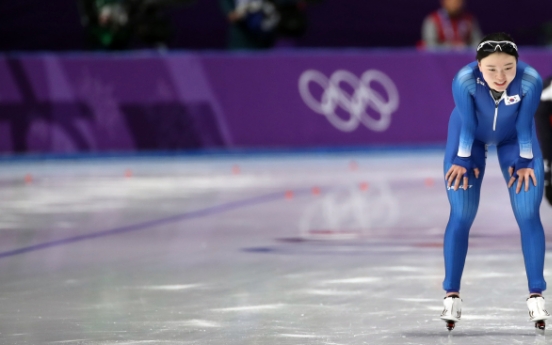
356 105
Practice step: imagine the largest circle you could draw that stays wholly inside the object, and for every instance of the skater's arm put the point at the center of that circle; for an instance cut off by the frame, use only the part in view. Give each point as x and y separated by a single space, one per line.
531 92
522 170
463 90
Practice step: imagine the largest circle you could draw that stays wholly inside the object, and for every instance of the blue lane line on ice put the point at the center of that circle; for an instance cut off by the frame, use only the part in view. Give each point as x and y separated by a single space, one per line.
150 224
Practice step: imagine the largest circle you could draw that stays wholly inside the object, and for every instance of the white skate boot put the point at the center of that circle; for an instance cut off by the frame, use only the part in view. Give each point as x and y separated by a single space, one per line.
537 312
452 311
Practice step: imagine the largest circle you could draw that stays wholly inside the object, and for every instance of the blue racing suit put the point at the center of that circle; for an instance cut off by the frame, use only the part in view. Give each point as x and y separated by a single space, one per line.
477 121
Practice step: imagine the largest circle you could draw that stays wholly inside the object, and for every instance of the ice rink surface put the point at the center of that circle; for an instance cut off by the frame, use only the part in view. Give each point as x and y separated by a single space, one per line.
313 248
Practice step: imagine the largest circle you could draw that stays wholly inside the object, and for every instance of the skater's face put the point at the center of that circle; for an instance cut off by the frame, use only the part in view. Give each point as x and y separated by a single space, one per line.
498 69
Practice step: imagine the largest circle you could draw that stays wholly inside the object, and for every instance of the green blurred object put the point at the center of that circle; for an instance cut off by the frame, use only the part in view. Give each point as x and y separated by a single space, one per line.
118 24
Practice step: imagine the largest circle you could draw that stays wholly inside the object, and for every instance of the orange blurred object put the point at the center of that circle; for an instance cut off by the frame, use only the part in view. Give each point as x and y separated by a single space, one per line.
28 178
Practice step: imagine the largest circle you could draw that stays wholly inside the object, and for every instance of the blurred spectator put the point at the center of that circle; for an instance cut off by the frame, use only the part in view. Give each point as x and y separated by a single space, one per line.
258 24
252 23
450 27
106 23
114 24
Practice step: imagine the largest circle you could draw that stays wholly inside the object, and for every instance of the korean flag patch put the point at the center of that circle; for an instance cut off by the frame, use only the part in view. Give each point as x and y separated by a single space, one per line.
512 99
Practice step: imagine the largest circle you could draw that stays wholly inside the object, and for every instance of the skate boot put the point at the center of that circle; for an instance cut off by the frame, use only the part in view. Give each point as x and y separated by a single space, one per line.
453 311
537 313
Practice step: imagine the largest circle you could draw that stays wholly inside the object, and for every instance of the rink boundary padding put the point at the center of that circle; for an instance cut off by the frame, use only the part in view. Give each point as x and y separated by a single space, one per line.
220 153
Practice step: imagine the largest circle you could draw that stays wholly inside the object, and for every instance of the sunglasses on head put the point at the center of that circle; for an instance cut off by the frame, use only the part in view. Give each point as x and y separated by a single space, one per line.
497 46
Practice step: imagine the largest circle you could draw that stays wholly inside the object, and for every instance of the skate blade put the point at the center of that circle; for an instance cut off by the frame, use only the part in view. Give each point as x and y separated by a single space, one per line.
450 325
540 326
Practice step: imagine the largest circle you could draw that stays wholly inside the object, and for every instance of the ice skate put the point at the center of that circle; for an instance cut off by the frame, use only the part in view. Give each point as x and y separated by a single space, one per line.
453 311
537 312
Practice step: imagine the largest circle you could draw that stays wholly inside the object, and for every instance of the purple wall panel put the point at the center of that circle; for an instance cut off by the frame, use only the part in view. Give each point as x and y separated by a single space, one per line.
268 97
98 103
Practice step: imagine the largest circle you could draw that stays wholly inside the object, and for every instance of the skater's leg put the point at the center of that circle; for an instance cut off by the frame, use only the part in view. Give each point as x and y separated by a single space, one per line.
526 206
464 204
463 208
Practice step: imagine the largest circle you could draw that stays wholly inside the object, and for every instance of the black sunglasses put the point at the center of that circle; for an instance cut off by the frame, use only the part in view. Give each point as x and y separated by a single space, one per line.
497 46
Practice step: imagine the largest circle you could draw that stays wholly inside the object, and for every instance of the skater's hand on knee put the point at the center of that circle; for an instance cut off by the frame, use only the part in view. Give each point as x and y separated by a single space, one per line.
523 176
456 175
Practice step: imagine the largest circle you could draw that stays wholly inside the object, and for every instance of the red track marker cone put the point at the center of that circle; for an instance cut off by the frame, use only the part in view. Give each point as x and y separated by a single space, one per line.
28 178
429 182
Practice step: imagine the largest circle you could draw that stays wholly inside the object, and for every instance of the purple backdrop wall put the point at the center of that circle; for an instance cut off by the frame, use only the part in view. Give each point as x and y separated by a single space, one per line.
55 25
127 102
